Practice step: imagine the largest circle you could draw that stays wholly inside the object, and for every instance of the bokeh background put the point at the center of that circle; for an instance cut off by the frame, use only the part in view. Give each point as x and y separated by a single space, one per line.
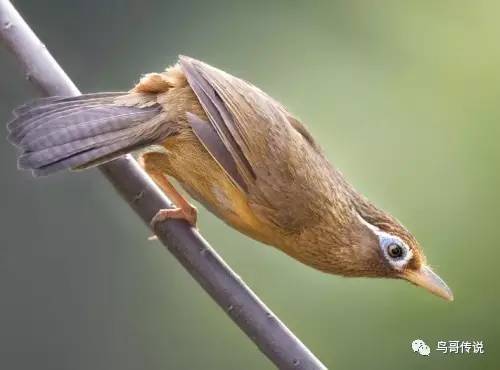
403 96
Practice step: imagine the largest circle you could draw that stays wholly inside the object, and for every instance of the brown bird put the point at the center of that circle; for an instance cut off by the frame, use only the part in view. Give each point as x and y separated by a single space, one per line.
237 151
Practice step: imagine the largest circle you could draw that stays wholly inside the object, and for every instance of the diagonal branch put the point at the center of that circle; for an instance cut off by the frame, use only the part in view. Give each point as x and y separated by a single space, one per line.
272 337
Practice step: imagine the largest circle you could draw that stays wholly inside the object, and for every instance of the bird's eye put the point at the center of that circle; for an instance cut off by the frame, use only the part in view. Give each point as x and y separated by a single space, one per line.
395 251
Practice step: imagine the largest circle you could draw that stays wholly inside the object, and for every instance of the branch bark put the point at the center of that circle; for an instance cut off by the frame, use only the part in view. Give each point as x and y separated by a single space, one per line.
257 321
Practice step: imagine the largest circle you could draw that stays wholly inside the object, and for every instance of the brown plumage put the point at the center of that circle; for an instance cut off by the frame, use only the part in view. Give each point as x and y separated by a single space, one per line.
237 151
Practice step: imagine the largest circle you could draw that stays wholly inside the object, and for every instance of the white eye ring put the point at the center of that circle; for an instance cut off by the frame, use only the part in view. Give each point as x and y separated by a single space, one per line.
385 240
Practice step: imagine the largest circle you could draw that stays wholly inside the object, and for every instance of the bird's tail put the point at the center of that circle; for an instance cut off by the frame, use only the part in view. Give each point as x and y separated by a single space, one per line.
56 133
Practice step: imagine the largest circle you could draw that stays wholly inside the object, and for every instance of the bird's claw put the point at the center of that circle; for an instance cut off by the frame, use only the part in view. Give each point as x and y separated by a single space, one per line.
188 214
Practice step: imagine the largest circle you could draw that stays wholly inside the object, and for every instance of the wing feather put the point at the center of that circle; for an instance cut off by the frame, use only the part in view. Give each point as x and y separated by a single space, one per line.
213 143
274 153
219 116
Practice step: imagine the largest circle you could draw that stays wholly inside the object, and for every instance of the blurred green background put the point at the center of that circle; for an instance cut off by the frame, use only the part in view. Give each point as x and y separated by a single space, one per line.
403 96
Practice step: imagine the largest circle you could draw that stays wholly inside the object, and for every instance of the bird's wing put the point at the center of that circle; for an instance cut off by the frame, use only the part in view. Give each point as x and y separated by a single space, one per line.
274 154
207 87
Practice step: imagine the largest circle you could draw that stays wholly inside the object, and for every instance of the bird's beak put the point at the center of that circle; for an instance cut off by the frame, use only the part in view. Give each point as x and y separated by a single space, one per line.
428 279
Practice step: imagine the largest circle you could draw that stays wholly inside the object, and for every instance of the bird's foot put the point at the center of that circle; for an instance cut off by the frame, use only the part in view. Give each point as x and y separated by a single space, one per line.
189 214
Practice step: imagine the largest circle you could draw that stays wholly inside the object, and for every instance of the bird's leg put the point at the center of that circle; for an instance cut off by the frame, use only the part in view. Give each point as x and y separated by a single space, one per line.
154 164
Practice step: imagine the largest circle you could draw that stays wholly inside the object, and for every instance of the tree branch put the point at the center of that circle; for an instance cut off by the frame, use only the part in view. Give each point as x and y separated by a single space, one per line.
272 337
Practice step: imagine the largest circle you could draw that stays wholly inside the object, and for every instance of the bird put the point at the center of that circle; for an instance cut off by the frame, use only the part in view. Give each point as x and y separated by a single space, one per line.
237 151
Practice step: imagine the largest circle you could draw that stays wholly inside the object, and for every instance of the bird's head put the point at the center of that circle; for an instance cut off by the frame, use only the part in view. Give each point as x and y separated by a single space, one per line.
383 247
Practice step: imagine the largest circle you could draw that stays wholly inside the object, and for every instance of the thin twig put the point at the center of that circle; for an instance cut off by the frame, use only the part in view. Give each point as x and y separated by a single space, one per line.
272 337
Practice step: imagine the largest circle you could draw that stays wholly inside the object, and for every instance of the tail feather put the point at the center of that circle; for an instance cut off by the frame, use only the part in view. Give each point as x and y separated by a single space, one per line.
38 105
54 153
57 133
82 158
83 124
28 118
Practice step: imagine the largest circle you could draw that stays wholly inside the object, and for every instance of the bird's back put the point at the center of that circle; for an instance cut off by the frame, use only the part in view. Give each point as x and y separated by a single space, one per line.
288 178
